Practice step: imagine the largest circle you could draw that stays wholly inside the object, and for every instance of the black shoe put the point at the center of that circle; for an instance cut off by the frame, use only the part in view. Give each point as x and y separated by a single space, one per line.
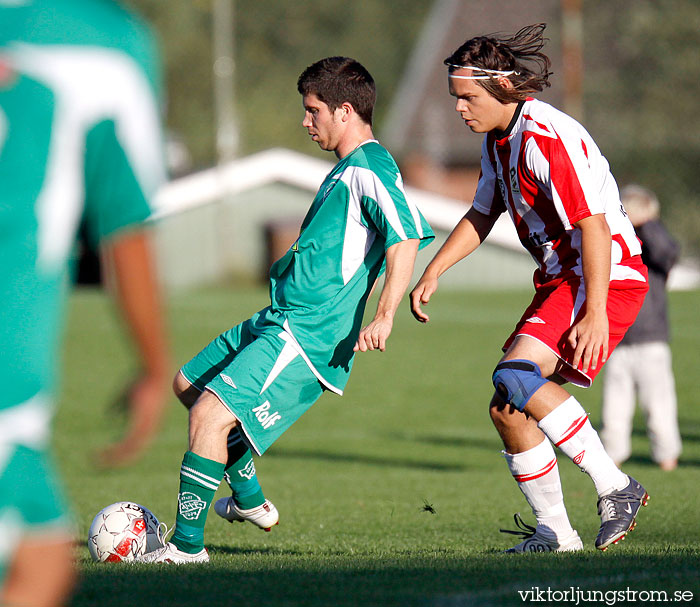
618 511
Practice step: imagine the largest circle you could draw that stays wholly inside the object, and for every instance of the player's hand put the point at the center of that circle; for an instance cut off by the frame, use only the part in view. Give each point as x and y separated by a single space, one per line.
374 335
589 338
145 401
421 295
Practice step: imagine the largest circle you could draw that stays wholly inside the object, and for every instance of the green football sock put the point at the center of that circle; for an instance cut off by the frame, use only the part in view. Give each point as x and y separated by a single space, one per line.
240 473
199 480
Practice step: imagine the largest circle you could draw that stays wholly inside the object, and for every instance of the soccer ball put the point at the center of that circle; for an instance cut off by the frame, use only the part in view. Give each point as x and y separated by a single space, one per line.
123 531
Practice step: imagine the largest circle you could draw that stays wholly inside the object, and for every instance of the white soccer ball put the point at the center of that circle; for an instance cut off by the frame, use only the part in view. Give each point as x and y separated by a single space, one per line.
123 531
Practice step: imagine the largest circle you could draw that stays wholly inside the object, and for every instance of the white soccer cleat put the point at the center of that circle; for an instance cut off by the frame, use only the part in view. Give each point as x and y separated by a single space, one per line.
264 516
535 541
540 543
171 554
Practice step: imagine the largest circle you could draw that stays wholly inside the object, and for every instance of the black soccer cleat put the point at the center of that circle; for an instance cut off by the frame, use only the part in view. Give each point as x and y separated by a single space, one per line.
618 511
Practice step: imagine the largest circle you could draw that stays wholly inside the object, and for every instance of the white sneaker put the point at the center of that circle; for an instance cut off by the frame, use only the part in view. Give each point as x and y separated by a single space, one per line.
535 541
264 516
171 554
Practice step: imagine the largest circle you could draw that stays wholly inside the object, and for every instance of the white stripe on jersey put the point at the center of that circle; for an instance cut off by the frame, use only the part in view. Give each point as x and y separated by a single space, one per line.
25 424
534 155
89 84
358 239
619 272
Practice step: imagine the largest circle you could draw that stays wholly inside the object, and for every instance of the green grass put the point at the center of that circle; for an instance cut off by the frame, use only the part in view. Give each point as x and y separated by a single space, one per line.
351 479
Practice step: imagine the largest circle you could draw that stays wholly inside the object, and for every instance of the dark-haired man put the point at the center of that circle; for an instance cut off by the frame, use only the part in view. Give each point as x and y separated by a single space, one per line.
254 381
545 170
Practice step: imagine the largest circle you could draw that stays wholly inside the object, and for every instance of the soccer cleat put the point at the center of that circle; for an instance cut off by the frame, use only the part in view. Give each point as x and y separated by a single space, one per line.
533 541
264 516
170 553
618 511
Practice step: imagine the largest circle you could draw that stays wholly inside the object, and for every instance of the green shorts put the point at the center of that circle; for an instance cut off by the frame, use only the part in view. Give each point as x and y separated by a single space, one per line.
260 376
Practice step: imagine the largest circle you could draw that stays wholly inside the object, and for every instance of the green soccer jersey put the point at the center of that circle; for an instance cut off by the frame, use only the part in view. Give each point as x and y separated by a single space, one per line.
319 288
80 144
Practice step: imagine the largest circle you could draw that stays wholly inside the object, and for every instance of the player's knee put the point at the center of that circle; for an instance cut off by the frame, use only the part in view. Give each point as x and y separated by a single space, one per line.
210 416
498 408
516 381
185 392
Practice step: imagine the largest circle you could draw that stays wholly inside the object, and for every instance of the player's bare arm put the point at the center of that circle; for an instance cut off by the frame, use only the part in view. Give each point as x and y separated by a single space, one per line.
129 260
467 235
400 259
590 335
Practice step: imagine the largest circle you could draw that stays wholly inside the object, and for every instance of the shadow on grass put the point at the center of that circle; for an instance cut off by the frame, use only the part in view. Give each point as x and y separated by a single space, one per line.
645 460
215 550
355 458
424 578
488 443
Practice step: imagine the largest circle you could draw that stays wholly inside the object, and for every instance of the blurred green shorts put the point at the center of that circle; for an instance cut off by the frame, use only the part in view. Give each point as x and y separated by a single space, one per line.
31 499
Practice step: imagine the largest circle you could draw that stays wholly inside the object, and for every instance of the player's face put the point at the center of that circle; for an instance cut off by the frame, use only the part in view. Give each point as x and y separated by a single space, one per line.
480 111
324 126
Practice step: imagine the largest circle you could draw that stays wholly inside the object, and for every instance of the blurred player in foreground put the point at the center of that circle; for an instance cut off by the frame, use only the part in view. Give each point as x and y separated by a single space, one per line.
251 383
79 142
545 170
641 365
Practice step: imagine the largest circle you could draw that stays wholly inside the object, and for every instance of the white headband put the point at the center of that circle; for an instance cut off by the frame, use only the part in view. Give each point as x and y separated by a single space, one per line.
488 73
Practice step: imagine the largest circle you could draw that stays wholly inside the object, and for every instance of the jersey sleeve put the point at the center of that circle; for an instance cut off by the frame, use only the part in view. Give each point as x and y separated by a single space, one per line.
488 199
124 160
383 201
114 197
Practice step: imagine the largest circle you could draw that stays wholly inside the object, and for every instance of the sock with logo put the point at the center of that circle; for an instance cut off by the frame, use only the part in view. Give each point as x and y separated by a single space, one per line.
537 475
199 480
240 473
568 428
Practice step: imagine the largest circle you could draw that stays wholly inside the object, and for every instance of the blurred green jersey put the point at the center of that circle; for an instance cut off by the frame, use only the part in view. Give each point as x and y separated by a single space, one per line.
80 145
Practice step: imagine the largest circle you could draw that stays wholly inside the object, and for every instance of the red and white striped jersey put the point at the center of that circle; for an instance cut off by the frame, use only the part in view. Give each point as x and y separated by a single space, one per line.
548 173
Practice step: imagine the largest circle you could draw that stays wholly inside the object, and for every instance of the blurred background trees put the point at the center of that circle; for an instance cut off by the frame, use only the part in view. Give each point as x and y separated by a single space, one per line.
640 81
641 97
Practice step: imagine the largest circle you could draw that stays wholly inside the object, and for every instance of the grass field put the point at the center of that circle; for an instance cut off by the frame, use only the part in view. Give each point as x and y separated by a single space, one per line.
353 477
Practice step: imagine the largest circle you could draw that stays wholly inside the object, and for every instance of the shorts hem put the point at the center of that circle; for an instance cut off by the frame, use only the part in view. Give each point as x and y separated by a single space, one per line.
191 382
244 432
288 336
570 374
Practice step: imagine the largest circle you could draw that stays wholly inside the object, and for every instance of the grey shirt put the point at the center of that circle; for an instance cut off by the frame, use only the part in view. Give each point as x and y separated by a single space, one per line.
659 252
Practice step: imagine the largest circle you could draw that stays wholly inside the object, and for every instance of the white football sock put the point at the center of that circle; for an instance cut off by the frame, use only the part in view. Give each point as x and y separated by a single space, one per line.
569 429
537 475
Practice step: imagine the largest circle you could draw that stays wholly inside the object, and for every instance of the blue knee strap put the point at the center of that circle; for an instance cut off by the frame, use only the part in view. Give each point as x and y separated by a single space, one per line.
517 380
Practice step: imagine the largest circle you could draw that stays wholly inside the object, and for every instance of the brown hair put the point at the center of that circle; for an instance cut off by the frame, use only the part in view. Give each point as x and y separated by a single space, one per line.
520 53
336 80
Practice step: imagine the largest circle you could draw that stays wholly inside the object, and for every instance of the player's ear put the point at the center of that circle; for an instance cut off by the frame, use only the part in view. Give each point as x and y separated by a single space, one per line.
505 83
346 111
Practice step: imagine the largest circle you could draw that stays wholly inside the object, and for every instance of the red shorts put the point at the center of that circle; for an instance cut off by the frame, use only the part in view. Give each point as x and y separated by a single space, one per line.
556 308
